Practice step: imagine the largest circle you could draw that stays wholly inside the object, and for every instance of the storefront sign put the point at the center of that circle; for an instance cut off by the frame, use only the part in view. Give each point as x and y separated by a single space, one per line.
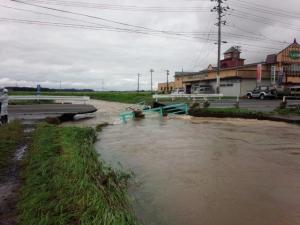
294 54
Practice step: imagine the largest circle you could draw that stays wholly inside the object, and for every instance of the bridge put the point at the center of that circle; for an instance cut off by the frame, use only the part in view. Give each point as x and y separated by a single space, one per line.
61 99
42 111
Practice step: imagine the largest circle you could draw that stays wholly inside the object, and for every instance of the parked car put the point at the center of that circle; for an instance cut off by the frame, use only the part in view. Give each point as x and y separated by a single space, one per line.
262 92
203 90
179 91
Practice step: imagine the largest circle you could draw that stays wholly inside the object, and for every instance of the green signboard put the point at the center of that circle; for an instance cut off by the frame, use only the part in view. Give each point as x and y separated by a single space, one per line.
294 54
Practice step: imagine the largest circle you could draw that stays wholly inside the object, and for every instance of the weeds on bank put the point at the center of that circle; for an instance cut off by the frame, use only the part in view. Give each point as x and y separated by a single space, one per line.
285 112
64 182
112 96
10 137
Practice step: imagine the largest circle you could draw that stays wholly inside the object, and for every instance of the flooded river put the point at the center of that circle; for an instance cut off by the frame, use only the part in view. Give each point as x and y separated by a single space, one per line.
209 171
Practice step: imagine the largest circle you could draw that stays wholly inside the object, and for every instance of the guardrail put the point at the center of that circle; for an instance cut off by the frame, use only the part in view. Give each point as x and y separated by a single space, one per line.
290 98
291 101
61 99
189 96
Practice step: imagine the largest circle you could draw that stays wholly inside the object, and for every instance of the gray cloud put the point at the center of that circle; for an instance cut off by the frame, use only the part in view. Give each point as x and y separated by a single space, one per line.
32 54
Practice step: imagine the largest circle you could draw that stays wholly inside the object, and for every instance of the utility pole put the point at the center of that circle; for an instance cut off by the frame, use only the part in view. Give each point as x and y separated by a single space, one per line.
168 73
60 84
102 85
220 9
138 84
151 71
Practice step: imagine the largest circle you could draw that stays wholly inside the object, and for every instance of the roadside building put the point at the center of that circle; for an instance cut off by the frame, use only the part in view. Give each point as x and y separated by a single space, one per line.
281 70
166 87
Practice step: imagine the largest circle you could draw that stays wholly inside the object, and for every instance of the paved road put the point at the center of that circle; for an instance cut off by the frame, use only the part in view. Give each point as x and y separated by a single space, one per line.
46 110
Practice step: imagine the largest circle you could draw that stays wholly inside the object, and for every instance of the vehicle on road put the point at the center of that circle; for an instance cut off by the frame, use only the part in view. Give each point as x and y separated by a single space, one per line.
179 91
203 89
262 92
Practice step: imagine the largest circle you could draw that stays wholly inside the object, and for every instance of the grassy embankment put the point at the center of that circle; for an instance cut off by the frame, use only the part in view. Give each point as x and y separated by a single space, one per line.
30 102
284 112
64 182
124 97
10 137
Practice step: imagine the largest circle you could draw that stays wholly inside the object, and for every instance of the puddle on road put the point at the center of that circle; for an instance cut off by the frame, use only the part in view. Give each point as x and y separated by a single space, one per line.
209 171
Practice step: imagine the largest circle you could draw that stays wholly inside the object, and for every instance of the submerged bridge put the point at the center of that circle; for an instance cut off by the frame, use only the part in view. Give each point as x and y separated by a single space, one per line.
42 111
65 110
174 109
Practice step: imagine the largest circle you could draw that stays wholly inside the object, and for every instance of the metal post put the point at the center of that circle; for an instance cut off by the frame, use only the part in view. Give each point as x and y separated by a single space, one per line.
151 71
168 73
220 9
138 85
219 46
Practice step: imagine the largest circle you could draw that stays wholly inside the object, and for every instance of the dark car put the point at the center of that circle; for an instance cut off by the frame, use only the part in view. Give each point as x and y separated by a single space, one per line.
262 92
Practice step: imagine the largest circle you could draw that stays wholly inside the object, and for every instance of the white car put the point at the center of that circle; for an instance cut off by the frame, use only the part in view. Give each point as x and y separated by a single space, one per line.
262 93
178 92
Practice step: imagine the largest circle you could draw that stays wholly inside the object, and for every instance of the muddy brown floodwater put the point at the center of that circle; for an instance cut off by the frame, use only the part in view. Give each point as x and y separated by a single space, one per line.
208 171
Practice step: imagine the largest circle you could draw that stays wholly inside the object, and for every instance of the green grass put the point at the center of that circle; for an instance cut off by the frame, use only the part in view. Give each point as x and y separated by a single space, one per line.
286 112
10 137
124 97
30 102
117 96
64 182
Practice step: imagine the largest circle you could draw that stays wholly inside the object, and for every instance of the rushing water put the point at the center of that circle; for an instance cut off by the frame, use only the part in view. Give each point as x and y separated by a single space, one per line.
209 172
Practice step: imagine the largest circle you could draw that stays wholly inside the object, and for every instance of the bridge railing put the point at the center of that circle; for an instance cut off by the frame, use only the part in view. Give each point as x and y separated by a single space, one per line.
292 101
61 99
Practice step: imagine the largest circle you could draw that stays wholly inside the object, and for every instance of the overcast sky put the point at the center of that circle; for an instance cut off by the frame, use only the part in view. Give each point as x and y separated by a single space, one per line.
33 54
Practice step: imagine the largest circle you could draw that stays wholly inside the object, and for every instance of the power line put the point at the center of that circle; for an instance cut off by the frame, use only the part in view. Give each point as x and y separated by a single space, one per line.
268 8
103 19
52 15
118 7
232 25
79 26
84 21
140 30
263 20
199 59
86 15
